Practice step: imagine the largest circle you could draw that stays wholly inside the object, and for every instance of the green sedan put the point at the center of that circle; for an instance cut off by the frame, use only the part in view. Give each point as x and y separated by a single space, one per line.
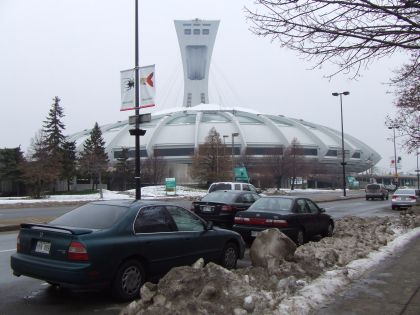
120 245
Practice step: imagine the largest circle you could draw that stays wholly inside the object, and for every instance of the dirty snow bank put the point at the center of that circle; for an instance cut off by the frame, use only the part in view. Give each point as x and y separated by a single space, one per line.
299 285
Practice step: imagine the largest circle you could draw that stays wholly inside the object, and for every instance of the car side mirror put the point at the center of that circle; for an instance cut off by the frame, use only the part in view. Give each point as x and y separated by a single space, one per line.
209 225
321 210
258 190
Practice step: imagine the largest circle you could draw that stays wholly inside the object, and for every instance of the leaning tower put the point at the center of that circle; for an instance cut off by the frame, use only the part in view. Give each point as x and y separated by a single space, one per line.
196 40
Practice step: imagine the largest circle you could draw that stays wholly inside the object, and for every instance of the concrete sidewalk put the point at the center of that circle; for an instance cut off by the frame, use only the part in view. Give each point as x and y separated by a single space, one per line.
392 288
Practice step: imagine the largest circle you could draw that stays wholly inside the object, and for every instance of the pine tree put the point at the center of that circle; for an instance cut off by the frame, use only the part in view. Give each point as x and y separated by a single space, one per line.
11 160
53 129
93 159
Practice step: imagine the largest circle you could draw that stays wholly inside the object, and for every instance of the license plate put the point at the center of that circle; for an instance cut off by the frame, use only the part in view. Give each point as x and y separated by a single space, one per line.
207 209
254 233
43 247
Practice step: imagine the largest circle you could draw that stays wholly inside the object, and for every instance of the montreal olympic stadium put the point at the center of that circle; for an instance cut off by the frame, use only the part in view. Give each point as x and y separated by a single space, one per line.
176 133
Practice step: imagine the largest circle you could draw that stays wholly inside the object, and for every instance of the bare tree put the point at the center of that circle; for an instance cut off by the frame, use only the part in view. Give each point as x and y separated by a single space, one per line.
153 169
350 34
407 118
210 163
38 171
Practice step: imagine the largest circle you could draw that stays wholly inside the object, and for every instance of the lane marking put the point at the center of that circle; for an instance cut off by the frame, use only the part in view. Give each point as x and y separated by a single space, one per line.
7 250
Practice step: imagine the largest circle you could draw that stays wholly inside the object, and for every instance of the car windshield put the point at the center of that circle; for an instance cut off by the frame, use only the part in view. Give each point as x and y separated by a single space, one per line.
220 186
91 216
405 192
219 196
272 204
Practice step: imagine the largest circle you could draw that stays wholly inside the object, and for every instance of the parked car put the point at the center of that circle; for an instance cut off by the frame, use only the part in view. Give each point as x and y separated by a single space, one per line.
374 191
405 198
299 218
220 206
233 186
120 244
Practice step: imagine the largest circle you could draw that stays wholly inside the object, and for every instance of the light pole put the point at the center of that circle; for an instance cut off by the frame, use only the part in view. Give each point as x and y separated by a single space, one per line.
224 144
393 127
343 163
234 134
418 170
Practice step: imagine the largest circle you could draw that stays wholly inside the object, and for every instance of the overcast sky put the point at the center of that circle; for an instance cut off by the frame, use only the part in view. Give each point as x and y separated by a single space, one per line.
75 49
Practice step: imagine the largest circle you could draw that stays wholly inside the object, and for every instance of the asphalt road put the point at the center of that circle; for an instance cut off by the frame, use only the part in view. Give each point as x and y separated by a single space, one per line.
30 296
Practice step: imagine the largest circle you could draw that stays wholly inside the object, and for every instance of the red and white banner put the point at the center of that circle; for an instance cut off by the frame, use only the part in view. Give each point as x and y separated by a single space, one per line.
146 88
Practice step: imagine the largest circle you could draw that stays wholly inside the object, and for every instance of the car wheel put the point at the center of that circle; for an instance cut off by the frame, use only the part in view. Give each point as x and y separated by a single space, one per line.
329 231
383 198
300 238
394 208
387 197
128 280
367 198
229 256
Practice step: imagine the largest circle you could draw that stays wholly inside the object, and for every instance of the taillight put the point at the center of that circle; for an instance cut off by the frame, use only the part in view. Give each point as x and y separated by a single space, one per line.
77 251
276 223
238 220
18 243
227 208
413 198
394 197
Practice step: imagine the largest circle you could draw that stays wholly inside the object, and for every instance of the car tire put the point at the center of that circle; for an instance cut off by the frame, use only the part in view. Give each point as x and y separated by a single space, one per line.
394 208
383 198
300 237
329 231
367 198
387 197
230 256
128 280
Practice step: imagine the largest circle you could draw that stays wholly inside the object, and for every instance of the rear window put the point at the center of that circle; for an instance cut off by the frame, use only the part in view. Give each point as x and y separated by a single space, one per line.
272 204
91 216
374 186
405 192
220 186
219 196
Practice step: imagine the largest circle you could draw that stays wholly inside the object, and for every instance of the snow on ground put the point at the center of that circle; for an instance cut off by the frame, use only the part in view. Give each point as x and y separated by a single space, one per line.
149 192
300 285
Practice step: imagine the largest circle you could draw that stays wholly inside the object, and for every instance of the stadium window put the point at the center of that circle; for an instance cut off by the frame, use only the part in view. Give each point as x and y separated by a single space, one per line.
206 31
196 31
187 31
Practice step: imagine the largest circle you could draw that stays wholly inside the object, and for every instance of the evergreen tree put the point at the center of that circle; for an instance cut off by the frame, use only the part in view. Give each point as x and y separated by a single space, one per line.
124 170
68 162
11 161
93 159
53 129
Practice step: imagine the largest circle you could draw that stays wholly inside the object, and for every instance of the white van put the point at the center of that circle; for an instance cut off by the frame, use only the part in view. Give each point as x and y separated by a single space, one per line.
232 186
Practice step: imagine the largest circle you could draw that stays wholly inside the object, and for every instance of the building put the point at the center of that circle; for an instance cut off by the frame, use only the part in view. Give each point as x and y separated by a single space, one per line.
175 134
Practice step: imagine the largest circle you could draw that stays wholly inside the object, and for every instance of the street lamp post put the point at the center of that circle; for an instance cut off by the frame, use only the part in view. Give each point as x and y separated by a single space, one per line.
418 170
393 127
234 134
343 163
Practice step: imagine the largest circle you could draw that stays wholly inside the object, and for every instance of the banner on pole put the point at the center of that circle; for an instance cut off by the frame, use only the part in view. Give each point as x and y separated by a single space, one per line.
146 88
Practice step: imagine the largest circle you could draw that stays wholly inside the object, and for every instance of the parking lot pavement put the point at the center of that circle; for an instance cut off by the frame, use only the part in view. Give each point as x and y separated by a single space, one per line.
391 288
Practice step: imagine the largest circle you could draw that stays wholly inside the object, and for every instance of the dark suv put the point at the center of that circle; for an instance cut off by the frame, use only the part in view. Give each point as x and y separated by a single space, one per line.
374 191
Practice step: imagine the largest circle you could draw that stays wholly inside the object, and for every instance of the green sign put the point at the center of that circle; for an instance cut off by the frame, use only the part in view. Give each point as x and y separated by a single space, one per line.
241 175
170 185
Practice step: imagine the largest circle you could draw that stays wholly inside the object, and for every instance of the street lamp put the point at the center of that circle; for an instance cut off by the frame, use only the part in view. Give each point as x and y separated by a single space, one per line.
224 144
418 170
234 134
343 163
393 127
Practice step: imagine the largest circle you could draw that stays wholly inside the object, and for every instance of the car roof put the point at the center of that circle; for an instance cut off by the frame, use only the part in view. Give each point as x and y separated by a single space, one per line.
232 192
129 202
285 197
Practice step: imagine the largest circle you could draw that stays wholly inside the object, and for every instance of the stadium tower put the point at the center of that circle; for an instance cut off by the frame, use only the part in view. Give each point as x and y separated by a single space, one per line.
196 40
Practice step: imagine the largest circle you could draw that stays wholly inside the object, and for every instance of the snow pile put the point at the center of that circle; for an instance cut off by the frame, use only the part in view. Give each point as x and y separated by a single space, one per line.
297 285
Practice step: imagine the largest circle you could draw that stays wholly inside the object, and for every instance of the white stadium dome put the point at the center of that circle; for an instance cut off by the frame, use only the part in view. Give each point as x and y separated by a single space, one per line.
176 133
